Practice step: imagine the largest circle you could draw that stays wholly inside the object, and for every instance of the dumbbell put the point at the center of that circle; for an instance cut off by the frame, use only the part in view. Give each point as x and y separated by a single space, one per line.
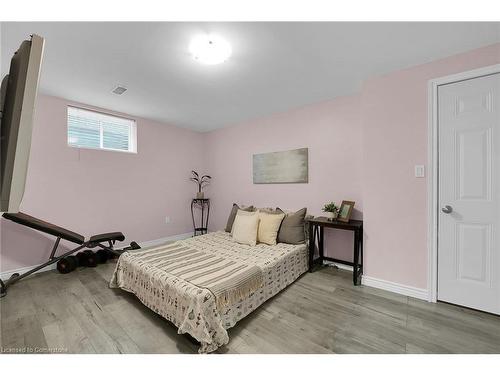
67 264
82 259
102 256
87 258
91 260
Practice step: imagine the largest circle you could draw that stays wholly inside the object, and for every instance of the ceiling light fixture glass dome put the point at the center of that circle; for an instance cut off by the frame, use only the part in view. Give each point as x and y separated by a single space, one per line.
210 49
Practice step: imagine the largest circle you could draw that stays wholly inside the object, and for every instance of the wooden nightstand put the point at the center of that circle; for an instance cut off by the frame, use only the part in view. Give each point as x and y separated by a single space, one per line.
316 237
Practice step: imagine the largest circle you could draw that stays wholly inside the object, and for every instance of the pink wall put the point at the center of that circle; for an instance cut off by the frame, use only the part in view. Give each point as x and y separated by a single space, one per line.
362 148
332 132
91 191
395 140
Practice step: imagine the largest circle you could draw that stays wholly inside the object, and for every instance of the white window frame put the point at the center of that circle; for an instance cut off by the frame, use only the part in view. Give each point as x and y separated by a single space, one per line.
132 135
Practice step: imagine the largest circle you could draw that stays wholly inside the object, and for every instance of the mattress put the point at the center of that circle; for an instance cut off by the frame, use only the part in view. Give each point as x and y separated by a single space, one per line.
193 309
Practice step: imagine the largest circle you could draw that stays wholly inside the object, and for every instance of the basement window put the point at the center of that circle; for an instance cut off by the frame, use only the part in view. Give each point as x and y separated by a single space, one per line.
101 131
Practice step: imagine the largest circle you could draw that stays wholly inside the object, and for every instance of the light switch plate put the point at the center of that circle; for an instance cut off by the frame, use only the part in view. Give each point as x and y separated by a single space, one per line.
419 171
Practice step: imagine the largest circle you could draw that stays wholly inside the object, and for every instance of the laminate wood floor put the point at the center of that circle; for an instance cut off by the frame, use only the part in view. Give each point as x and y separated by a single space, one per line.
322 312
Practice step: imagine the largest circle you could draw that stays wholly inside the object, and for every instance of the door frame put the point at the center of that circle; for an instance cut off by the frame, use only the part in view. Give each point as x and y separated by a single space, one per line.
433 165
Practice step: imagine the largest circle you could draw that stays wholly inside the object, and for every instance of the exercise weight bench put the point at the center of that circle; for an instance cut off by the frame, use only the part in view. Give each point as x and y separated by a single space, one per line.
60 233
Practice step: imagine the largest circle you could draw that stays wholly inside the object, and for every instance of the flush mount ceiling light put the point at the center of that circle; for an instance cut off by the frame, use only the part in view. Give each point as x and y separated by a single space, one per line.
210 49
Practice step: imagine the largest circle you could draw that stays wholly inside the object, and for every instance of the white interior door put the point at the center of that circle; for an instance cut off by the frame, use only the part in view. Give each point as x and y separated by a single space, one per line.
469 193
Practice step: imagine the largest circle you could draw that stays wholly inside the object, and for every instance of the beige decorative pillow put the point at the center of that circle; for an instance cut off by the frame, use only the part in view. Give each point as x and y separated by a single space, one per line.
232 215
268 227
245 227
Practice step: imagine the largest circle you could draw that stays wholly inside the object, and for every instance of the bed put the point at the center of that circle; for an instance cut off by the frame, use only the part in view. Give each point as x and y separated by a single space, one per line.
167 280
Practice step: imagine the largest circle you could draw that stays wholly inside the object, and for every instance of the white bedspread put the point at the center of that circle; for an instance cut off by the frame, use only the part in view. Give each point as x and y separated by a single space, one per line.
192 309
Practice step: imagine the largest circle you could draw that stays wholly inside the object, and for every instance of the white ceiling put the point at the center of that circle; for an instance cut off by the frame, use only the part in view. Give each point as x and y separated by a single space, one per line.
274 66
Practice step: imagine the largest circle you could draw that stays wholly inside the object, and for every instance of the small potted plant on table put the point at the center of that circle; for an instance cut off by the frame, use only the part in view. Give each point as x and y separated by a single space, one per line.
331 211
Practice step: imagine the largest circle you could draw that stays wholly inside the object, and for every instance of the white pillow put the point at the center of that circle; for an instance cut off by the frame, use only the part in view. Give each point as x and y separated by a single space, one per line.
269 226
245 227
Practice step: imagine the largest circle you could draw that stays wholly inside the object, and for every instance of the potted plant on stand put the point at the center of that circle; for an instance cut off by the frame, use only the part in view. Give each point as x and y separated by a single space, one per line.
331 211
201 181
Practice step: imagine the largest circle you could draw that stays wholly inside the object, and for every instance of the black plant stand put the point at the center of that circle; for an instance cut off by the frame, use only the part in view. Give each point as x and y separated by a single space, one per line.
204 205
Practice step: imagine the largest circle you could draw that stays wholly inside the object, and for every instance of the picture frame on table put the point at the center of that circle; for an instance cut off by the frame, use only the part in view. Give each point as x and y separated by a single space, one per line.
345 211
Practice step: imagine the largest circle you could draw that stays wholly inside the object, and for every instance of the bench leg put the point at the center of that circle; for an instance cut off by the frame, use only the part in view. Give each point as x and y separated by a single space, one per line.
16 277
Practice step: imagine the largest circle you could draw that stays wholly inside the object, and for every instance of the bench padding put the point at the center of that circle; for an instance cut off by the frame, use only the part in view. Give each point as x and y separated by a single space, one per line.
104 237
45 227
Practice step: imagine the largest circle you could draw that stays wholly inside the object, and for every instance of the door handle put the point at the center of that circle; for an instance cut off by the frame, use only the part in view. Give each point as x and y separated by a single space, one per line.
447 209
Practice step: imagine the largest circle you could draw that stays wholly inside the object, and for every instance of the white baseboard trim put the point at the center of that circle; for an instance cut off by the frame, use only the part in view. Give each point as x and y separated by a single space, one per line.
7 274
160 241
390 286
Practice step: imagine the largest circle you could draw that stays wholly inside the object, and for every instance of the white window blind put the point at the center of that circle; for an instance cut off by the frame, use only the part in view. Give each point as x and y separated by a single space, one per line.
89 129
